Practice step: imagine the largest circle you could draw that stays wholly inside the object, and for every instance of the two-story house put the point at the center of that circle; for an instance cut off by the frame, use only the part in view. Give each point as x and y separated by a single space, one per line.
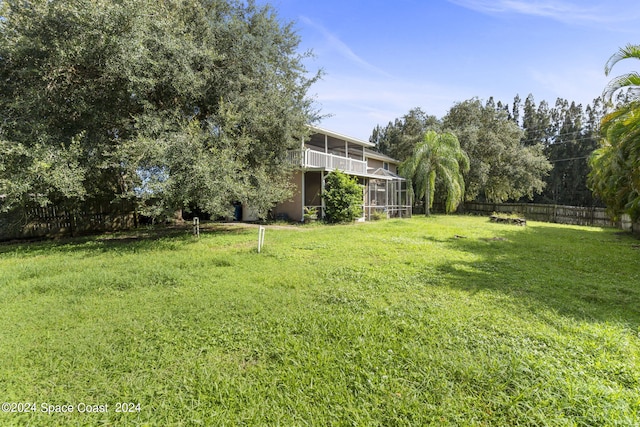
384 190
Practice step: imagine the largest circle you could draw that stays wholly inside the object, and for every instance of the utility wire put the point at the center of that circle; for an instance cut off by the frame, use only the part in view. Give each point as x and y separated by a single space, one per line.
568 159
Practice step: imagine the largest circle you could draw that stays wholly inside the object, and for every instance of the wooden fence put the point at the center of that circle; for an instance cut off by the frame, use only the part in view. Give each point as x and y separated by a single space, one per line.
53 221
548 213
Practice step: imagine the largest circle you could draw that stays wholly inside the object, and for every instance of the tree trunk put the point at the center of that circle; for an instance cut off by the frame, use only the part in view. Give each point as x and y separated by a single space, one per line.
427 201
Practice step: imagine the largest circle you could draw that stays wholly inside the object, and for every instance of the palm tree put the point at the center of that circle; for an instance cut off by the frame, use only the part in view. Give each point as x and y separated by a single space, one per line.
615 166
437 155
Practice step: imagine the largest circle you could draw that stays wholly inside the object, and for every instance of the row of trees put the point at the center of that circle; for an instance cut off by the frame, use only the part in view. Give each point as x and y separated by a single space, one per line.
521 150
561 154
174 103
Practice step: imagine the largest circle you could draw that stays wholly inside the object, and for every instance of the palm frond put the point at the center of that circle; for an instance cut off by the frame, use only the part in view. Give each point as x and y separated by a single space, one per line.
629 51
621 82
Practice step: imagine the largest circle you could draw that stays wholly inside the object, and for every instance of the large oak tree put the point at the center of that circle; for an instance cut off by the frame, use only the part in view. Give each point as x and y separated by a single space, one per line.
501 167
175 103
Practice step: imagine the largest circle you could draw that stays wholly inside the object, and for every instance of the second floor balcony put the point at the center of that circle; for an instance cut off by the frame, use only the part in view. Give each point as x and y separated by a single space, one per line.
308 158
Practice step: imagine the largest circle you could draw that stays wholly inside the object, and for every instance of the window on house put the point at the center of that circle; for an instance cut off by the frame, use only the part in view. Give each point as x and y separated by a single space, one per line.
385 166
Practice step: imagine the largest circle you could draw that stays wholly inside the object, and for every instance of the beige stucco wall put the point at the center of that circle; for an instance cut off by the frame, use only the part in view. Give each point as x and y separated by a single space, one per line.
375 164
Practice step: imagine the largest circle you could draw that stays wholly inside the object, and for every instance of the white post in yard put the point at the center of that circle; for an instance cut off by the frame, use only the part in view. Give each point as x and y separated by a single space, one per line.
196 226
261 231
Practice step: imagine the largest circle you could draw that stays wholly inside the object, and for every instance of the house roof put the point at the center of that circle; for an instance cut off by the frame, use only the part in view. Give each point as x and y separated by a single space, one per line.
384 174
337 135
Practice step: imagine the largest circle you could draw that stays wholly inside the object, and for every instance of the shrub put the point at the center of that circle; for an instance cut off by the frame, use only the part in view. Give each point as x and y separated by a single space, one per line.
378 215
310 214
342 197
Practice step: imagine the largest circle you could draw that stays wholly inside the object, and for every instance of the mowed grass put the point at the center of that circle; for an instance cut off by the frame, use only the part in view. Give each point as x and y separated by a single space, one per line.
445 320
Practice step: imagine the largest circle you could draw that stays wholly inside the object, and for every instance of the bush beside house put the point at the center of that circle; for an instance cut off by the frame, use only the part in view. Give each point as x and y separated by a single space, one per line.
342 198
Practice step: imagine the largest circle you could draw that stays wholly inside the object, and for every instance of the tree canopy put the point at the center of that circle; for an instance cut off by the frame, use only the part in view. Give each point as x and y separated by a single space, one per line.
501 167
176 103
399 138
564 133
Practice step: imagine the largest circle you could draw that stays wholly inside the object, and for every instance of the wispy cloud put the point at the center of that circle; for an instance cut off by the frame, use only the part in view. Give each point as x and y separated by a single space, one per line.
342 48
583 12
358 104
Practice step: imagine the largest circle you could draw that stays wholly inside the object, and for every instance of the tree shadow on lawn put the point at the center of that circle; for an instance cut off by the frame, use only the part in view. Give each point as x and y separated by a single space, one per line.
587 274
130 241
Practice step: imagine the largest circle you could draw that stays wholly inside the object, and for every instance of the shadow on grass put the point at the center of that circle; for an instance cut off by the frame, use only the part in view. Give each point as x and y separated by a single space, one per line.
584 273
129 241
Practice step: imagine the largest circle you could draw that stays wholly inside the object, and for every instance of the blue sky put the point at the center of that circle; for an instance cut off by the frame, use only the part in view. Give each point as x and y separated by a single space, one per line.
382 58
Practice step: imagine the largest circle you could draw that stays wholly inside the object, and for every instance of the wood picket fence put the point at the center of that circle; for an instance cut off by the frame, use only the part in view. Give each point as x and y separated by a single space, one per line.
561 214
52 221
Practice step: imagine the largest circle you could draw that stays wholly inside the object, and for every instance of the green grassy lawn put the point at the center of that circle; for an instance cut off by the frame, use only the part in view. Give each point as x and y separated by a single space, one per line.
445 320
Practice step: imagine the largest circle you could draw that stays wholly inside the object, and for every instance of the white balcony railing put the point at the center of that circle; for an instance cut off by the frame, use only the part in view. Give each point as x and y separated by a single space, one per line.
315 159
